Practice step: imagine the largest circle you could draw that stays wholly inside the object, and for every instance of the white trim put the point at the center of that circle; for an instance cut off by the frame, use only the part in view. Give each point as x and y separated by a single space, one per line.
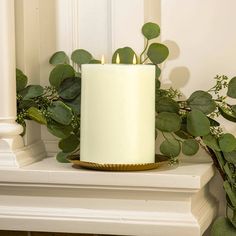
9 118
127 18
67 13
75 28
52 147
11 159
102 222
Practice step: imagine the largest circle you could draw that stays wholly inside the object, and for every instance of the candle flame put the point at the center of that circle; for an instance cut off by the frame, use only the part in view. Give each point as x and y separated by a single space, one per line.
103 60
117 58
134 60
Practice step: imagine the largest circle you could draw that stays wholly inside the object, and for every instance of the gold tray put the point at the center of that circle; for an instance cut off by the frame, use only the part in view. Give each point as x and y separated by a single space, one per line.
114 167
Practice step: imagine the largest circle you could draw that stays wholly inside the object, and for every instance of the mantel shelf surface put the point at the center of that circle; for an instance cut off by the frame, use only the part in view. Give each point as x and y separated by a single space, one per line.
49 171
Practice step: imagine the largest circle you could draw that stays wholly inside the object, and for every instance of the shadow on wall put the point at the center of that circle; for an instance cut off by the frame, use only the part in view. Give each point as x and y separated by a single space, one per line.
179 76
173 48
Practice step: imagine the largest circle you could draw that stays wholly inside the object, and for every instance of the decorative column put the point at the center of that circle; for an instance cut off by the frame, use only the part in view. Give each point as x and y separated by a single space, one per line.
12 150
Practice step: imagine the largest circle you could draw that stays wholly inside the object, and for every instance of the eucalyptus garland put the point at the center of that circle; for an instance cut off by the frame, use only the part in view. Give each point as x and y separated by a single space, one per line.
185 124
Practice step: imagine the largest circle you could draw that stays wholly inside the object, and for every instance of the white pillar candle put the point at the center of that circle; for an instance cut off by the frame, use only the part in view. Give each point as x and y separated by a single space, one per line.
118 114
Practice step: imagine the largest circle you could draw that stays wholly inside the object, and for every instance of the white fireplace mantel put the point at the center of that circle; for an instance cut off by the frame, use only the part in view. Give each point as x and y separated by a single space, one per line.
48 196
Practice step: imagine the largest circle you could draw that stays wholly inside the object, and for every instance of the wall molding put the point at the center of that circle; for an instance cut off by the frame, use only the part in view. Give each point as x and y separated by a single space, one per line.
67 18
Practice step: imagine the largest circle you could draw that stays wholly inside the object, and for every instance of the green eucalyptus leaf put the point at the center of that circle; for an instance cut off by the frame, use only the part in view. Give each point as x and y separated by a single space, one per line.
126 55
21 80
227 115
227 142
230 157
150 30
231 193
157 84
213 122
69 144
94 61
26 104
62 157
59 57
36 115
229 172
232 88
161 93
198 123
31 91
70 88
223 227
157 53
168 122
166 104
170 148
59 73
202 101
220 158
60 112
75 104
190 147
81 56
212 142
233 108
182 134
184 122
199 93
157 71
58 130
77 74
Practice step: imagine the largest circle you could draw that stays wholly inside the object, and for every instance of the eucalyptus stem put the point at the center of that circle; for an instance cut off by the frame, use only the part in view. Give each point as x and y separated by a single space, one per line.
212 89
185 108
216 163
218 100
164 136
176 138
144 60
142 53
203 147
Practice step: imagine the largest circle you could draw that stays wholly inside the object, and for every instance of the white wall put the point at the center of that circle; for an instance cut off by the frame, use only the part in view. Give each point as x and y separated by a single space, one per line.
202 39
